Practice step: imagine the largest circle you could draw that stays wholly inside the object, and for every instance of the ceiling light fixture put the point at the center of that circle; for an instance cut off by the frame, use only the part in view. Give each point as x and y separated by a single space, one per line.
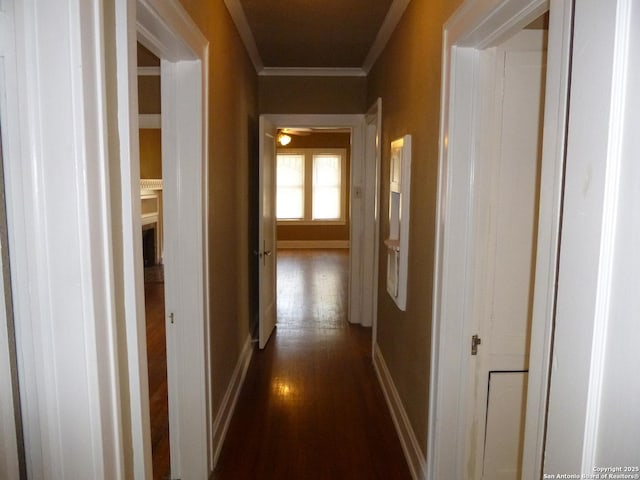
284 139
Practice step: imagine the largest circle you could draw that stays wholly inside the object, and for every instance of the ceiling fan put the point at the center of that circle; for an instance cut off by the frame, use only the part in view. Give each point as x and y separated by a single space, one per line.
284 134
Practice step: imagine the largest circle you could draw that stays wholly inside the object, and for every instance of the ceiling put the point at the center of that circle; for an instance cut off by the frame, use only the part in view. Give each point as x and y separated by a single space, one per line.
283 36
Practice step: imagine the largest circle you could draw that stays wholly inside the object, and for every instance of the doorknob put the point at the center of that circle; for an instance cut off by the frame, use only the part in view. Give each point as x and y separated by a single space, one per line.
267 252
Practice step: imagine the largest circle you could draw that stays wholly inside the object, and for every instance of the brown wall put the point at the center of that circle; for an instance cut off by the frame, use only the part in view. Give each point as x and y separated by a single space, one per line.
318 95
407 78
233 106
149 94
150 153
320 232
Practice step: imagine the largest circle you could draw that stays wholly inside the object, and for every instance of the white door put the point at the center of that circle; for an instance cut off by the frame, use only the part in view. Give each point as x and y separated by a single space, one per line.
506 292
267 230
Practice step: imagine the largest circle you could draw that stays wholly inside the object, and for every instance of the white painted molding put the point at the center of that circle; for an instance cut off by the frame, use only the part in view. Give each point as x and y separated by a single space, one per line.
609 233
150 120
63 277
230 399
237 14
148 71
597 301
384 34
150 184
295 244
551 179
408 440
312 72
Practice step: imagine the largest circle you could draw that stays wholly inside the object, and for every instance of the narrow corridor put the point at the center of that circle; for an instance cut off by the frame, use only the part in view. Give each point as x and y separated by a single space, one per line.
311 406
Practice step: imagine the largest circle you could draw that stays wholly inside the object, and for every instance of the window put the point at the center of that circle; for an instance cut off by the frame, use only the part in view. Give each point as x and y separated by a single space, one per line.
311 185
290 181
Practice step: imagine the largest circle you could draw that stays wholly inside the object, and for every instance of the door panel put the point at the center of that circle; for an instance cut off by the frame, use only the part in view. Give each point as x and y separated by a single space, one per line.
513 161
505 425
267 231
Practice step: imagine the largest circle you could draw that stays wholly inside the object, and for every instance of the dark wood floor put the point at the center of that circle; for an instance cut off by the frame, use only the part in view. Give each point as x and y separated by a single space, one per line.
157 367
311 407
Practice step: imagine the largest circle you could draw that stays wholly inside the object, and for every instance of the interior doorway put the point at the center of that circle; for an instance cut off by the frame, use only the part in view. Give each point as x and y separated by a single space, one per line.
355 124
313 168
508 174
490 268
164 29
150 141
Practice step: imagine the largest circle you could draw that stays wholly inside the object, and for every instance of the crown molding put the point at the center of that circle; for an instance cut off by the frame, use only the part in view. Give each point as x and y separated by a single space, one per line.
389 24
237 14
311 72
149 120
148 71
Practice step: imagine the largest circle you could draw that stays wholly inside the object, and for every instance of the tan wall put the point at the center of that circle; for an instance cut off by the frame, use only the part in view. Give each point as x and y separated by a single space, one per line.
150 153
149 94
318 95
407 77
320 232
232 138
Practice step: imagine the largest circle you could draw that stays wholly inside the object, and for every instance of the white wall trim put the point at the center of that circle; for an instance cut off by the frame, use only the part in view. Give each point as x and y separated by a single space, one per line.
58 202
148 71
609 232
598 261
371 209
150 120
230 399
150 184
311 72
408 440
551 185
237 14
389 24
284 244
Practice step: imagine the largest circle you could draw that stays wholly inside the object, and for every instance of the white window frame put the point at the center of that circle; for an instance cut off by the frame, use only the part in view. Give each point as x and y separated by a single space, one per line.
308 154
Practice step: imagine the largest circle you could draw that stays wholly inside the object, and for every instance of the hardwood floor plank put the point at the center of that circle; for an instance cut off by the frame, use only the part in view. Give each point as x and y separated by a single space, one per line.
311 406
157 370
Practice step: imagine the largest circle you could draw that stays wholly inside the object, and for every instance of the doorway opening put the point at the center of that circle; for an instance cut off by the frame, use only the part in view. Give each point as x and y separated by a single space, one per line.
313 168
504 101
150 142
509 161
165 29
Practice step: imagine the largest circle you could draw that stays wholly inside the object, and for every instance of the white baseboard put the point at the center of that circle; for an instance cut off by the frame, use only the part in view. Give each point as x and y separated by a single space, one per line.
228 405
313 244
410 446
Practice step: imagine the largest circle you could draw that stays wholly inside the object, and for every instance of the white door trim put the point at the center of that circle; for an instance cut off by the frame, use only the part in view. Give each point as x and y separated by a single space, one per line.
11 444
356 123
371 192
474 26
165 28
58 214
593 418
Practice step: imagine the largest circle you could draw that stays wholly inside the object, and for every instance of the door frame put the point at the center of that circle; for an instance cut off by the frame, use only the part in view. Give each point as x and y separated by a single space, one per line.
475 26
165 28
372 173
267 248
356 122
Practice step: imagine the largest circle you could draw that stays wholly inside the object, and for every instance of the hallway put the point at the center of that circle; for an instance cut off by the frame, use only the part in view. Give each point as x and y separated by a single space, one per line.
311 406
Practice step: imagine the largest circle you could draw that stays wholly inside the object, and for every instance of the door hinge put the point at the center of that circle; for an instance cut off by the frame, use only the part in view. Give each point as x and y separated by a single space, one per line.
171 317
475 341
